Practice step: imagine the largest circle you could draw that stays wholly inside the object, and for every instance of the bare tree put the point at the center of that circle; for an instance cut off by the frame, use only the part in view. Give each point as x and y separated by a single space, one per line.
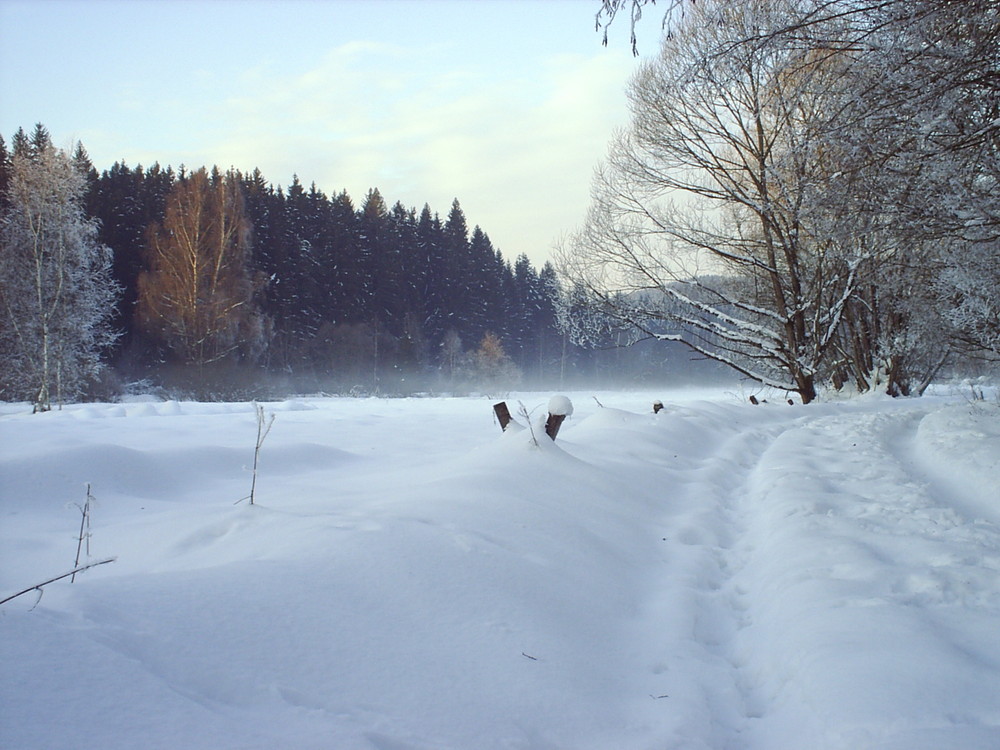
56 288
700 215
198 295
916 160
810 188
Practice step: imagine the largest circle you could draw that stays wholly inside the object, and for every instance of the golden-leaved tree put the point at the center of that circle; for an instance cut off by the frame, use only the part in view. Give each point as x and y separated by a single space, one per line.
197 296
490 368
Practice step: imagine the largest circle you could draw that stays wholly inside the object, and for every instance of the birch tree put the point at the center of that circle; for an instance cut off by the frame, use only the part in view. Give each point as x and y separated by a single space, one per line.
197 296
57 293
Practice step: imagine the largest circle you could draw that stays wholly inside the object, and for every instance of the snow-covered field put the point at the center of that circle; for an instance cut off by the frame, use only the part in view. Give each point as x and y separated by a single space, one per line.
718 575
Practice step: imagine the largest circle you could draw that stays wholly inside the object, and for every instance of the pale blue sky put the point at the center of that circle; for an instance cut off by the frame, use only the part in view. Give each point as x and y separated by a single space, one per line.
506 104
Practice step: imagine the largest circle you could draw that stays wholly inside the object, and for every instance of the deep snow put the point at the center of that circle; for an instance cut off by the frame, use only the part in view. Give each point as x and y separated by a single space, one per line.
717 575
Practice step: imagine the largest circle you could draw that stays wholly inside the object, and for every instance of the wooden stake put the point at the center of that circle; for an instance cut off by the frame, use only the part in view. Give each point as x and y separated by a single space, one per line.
503 414
553 423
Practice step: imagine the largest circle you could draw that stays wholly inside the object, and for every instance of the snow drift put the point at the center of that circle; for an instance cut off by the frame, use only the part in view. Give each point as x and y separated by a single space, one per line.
716 575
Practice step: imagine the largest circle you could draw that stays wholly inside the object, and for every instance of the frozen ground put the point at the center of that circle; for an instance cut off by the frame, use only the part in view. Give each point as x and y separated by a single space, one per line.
715 576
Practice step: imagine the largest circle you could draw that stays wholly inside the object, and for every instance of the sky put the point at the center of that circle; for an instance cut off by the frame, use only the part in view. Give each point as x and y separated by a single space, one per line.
507 105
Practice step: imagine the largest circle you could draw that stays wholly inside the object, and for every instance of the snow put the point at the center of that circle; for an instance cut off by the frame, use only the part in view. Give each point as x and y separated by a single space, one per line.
717 575
560 406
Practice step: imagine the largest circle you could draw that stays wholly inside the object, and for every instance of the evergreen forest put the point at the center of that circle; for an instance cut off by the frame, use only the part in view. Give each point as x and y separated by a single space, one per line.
230 286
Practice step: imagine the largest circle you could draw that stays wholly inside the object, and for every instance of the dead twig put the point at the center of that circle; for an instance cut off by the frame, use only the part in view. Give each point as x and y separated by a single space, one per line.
527 418
263 428
38 586
84 531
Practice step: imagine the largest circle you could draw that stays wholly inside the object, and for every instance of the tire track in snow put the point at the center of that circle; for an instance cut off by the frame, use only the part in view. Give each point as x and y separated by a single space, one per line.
872 614
703 608
930 454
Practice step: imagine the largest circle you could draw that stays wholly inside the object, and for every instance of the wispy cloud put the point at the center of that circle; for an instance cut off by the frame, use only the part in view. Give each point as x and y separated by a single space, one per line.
427 101
516 148
515 143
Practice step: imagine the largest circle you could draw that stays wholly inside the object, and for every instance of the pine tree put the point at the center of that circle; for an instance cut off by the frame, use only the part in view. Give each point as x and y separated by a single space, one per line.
523 304
20 144
343 271
432 283
550 338
125 202
40 140
484 306
458 271
373 228
81 160
4 173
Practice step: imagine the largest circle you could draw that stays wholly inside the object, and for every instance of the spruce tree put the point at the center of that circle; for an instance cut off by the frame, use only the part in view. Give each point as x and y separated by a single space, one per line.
125 201
344 272
40 140
457 272
21 144
4 172
433 281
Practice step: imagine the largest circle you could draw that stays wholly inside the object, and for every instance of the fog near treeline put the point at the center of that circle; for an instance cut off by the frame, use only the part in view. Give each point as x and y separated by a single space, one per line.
214 285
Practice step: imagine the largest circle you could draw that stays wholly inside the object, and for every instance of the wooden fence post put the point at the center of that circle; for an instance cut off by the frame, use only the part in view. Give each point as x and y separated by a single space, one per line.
503 414
560 407
553 423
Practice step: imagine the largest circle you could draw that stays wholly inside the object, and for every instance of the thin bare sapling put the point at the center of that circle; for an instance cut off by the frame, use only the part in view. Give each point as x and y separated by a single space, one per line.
523 411
82 539
84 531
264 423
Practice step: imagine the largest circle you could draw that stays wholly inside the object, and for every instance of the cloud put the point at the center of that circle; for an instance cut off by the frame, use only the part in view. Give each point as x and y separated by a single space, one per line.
515 141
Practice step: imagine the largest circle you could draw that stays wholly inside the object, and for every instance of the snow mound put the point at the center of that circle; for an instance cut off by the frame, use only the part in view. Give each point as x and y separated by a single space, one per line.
560 406
716 576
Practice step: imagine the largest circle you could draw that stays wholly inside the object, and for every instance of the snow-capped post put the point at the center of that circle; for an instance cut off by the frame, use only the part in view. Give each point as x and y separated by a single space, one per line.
503 414
657 406
560 407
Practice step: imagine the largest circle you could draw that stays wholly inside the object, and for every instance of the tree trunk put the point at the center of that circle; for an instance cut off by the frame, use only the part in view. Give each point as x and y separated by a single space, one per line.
806 389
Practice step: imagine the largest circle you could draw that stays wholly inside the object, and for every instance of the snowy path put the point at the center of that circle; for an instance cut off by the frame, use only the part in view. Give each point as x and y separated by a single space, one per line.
701 607
874 596
808 557
718 576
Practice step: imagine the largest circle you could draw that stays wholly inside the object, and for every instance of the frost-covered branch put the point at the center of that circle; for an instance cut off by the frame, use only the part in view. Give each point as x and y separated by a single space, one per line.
38 586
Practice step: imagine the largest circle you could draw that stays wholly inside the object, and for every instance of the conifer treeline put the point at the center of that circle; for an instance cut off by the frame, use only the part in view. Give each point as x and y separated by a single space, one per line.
365 295
225 285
